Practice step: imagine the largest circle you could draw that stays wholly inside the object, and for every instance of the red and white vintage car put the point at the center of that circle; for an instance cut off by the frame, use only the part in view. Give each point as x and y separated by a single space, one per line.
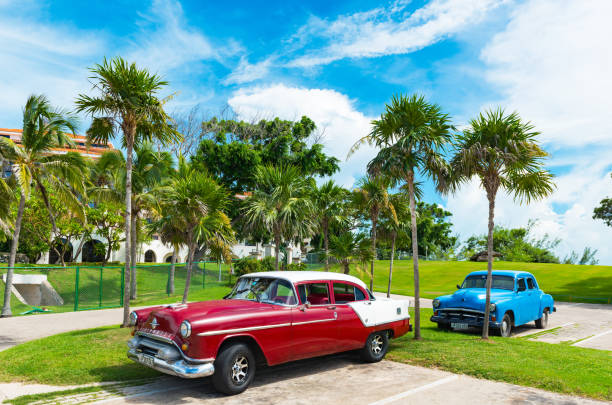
268 318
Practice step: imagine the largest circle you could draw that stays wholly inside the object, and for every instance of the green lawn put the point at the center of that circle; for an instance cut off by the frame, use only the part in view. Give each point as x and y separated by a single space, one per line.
566 282
98 355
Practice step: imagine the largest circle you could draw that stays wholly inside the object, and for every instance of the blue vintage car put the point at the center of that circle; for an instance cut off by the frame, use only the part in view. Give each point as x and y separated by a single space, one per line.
516 299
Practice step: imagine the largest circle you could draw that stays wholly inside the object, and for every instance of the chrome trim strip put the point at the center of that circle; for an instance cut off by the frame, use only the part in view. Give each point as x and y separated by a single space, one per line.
315 321
250 328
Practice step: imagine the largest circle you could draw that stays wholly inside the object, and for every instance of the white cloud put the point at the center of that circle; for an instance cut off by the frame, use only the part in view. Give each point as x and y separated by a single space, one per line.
332 111
247 72
387 31
167 41
551 64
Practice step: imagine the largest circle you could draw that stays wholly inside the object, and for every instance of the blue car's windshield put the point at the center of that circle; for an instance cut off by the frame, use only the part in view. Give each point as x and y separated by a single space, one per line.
499 282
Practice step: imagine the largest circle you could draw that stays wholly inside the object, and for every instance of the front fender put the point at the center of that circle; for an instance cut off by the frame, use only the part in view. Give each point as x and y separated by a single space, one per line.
547 301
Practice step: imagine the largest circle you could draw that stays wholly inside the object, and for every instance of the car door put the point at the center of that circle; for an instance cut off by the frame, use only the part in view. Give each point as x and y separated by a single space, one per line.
535 296
525 303
314 326
352 334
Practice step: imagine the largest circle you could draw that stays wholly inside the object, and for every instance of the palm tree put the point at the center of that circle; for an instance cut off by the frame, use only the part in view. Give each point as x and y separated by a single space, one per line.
349 248
281 204
502 151
194 203
33 164
372 197
328 200
412 134
127 103
149 169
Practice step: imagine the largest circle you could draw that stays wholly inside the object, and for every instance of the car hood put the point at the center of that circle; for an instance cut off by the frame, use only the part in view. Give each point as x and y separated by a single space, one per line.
472 298
168 318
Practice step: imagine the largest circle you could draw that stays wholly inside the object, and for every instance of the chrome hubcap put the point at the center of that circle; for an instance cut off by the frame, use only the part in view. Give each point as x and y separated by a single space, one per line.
240 369
504 327
377 344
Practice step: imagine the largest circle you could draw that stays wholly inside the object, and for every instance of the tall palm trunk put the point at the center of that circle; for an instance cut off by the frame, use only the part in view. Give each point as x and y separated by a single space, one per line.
347 269
393 236
172 269
326 242
133 251
485 325
415 259
189 268
8 285
45 197
374 222
129 134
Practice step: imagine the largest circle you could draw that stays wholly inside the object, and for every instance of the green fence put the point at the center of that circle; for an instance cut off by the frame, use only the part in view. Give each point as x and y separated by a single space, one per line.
96 287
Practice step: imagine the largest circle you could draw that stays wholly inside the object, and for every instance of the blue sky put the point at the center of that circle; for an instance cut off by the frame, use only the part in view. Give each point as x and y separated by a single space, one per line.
339 62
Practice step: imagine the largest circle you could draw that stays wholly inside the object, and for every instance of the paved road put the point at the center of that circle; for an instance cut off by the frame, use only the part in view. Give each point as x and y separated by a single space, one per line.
338 379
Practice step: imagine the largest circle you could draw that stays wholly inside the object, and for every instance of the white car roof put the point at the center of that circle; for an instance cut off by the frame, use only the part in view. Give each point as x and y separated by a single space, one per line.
298 276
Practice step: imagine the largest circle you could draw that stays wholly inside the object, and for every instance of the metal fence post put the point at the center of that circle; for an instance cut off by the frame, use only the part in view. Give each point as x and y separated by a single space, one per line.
101 276
168 283
76 289
122 285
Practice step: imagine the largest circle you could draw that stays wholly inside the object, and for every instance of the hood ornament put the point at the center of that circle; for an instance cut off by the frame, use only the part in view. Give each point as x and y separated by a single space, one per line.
154 323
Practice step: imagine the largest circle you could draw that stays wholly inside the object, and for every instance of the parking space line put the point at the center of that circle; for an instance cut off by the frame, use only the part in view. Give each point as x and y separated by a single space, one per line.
593 337
414 390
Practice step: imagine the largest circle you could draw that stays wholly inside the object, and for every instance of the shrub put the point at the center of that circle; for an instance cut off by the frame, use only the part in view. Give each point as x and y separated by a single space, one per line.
246 265
297 266
268 263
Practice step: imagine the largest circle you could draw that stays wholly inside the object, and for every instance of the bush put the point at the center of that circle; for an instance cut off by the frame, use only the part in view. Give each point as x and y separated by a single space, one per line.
247 265
268 263
297 266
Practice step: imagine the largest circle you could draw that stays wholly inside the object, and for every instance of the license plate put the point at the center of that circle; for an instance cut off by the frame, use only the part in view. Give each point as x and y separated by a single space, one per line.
147 360
459 325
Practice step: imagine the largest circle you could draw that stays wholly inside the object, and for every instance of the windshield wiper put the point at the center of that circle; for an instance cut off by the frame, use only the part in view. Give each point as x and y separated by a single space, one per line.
249 289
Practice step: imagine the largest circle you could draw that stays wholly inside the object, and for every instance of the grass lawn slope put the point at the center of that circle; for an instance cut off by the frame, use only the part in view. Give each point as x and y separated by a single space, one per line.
566 282
98 355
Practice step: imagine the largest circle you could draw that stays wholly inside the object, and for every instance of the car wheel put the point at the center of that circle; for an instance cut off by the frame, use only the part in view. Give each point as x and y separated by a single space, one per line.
376 347
505 329
542 323
234 369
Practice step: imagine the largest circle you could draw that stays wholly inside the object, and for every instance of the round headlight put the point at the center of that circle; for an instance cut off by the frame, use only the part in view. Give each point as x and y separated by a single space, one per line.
492 307
185 329
133 318
436 303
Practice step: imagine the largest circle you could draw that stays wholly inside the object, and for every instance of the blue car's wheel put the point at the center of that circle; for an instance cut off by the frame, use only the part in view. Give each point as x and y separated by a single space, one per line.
505 329
542 323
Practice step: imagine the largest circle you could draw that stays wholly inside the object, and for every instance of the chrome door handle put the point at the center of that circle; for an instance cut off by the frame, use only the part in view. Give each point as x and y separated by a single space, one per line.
331 307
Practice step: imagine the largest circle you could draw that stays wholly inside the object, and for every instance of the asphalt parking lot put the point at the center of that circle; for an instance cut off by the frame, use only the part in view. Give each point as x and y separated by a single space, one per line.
339 379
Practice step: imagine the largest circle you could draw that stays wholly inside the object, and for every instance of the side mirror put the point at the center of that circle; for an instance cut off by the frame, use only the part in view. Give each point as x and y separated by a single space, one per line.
521 289
305 306
458 287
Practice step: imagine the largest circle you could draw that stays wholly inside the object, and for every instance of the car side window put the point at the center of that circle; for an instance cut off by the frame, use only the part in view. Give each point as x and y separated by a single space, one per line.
521 284
344 293
314 293
530 283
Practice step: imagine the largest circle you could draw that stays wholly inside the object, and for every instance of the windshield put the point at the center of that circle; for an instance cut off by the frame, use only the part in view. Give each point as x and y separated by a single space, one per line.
263 289
499 282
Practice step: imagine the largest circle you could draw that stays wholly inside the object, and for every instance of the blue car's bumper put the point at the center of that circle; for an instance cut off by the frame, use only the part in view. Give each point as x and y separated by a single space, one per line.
448 316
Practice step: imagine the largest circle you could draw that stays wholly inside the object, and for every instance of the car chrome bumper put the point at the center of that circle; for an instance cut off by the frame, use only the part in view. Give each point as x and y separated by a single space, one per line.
179 368
471 322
